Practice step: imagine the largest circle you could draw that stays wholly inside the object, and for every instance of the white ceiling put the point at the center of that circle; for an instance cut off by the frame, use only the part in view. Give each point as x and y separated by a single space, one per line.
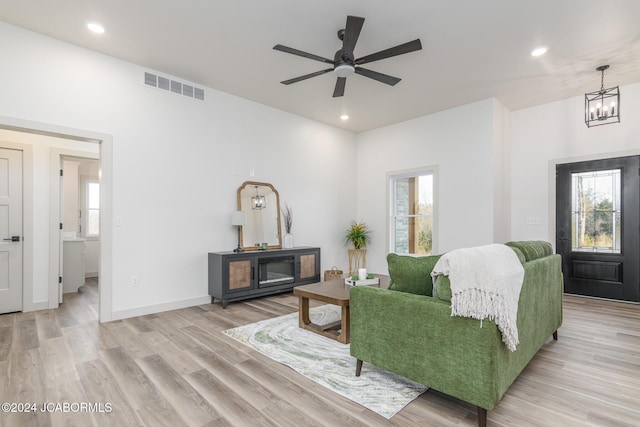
472 49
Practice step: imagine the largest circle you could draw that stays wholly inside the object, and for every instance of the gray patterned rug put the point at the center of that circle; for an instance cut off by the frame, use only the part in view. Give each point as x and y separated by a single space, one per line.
328 362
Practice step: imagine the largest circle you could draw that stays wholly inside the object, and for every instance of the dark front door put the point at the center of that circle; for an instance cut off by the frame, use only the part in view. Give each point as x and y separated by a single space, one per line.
598 227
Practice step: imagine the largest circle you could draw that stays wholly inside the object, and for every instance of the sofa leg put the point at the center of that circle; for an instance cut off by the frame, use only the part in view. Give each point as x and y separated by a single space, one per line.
358 367
482 417
555 336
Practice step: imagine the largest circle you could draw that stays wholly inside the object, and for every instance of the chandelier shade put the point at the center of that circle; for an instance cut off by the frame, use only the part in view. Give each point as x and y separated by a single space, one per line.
602 107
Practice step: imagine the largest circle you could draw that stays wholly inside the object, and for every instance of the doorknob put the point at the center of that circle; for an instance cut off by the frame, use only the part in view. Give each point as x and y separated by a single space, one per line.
12 239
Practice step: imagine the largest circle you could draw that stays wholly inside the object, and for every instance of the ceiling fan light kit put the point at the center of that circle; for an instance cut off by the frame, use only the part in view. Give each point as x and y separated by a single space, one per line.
344 70
344 63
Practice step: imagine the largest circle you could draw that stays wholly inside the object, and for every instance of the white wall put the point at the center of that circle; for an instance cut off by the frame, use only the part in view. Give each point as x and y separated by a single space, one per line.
496 168
555 133
460 143
173 165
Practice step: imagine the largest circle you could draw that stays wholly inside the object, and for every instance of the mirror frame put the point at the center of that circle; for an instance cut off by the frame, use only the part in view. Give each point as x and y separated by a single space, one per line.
240 208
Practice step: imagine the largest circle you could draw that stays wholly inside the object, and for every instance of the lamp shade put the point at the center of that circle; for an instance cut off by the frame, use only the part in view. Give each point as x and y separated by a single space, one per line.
238 218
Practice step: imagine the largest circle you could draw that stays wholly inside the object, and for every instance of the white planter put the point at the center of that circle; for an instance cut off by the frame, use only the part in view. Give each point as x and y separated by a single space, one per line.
288 241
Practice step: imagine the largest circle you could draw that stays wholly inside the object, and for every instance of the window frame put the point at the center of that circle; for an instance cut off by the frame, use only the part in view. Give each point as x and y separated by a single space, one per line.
391 200
87 182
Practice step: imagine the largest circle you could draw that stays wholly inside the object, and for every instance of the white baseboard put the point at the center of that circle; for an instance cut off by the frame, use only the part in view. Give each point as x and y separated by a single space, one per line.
157 308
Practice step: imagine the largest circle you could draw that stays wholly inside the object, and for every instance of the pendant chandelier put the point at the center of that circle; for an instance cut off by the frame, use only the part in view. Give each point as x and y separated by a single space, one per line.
257 201
602 107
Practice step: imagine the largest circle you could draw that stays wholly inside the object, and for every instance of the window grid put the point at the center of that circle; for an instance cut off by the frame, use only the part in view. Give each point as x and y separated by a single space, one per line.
411 218
596 211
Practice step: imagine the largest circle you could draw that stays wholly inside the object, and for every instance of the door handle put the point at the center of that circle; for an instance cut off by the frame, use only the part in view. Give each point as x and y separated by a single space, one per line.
12 239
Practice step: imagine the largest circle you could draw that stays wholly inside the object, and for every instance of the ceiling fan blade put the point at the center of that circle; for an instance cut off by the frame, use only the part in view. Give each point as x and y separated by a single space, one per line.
383 78
351 34
293 51
339 89
392 51
306 76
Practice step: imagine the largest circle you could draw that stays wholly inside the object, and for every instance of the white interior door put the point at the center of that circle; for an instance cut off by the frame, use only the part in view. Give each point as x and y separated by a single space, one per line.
10 230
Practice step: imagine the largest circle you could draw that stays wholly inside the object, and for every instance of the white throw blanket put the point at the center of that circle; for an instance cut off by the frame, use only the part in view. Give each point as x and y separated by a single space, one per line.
485 283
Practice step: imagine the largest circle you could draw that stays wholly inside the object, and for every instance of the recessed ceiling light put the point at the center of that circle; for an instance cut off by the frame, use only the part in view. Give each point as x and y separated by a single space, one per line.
96 28
344 117
539 51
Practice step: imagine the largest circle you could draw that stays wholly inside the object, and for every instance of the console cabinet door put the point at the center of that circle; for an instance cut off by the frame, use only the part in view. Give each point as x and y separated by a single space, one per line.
239 275
308 267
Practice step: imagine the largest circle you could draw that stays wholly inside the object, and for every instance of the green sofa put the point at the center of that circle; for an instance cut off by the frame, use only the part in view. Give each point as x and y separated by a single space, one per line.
407 330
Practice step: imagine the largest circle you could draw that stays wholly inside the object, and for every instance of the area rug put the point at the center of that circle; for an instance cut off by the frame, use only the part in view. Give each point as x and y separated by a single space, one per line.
328 362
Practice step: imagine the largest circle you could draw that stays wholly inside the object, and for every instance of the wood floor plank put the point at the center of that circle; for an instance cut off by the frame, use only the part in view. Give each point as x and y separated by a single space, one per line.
7 319
260 397
64 416
81 346
132 341
26 384
55 357
6 341
103 388
232 406
178 368
47 325
140 390
190 405
303 392
25 335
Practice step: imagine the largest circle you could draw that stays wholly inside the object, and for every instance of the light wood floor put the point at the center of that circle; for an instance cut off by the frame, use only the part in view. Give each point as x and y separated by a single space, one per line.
176 368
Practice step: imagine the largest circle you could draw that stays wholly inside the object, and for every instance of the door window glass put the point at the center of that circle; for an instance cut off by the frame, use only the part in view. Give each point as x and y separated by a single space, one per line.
595 211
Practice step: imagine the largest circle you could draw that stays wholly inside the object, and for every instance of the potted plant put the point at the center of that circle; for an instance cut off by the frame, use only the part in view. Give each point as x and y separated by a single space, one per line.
358 235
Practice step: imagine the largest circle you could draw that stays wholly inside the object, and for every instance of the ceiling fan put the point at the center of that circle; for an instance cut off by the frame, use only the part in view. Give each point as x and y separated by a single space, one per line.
344 64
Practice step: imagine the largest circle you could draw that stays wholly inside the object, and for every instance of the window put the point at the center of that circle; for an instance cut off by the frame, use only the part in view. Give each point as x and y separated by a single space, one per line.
93 209
595 211
411 212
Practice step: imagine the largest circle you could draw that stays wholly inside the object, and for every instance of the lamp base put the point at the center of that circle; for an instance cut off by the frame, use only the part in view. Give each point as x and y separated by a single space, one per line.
238 249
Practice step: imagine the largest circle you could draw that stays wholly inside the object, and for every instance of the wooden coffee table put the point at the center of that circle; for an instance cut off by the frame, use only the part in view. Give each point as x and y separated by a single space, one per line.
332 292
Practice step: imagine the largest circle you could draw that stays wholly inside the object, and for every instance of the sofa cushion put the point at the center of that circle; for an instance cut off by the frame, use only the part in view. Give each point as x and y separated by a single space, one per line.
532 249
411 274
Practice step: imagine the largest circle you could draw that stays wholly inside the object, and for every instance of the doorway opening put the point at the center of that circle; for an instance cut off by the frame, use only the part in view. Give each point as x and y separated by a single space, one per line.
80 219
41 288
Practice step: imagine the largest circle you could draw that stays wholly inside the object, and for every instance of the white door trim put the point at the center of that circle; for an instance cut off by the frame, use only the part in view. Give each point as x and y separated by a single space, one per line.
55 192
106 212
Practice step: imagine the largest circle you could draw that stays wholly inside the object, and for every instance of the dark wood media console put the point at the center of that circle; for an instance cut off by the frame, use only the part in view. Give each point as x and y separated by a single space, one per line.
235 276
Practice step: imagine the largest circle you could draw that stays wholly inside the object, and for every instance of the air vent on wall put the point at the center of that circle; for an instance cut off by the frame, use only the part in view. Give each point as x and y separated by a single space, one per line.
174 86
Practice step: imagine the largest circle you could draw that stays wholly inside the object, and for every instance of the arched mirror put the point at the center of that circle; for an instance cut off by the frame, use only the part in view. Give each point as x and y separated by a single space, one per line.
261 205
